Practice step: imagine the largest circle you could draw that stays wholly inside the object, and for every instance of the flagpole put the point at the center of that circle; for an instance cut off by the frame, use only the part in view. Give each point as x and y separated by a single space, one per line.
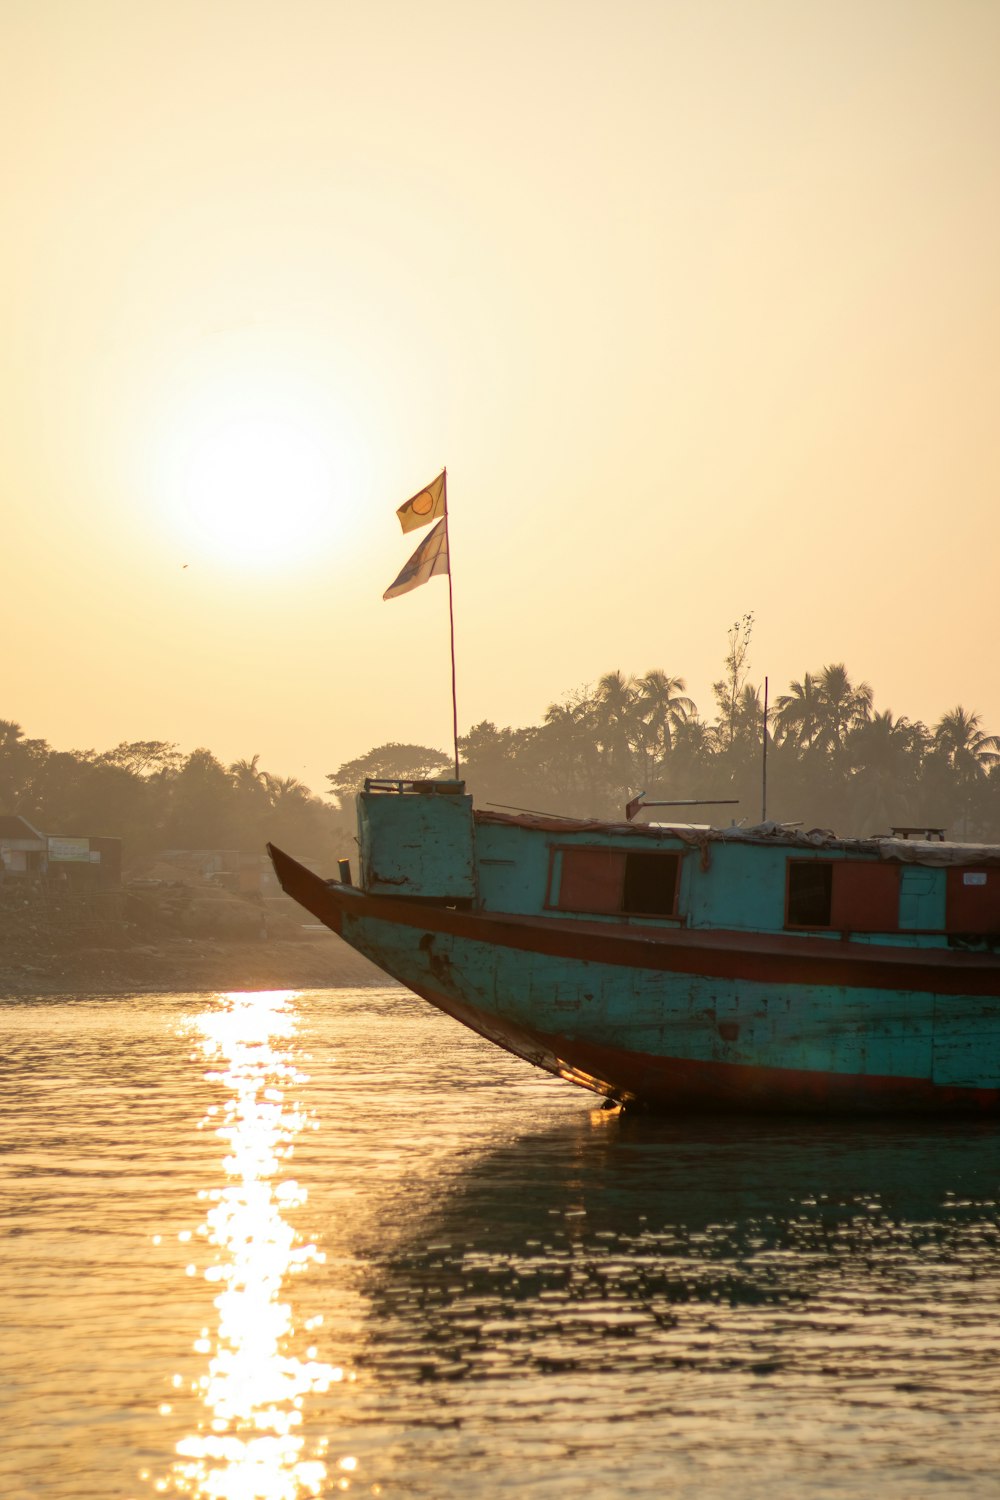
451 622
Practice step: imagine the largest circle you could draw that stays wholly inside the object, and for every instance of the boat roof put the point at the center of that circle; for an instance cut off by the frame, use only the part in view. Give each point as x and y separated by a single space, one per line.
936 852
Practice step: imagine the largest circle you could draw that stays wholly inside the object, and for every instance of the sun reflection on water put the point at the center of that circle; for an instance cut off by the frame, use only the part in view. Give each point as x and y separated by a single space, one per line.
248 1444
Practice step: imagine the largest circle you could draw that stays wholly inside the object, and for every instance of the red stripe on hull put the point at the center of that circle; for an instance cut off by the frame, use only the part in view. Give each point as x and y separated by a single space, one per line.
765 958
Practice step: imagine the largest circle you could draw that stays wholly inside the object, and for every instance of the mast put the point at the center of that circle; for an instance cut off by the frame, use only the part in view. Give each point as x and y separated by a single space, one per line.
451 623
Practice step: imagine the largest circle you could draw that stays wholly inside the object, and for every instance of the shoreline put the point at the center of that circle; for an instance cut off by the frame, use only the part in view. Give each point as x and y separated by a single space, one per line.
316 960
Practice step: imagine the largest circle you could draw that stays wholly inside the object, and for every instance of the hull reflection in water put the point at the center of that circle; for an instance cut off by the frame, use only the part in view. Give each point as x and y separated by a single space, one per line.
638 1247
248 1442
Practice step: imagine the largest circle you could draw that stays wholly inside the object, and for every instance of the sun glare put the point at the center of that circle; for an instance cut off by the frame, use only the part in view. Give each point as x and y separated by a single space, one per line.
254 477
256 489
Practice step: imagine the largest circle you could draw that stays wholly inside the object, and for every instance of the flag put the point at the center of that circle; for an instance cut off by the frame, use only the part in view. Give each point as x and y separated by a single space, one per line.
425 506
431 557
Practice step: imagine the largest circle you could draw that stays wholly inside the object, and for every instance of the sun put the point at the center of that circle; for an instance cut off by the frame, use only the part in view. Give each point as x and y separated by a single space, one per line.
252 477
256 489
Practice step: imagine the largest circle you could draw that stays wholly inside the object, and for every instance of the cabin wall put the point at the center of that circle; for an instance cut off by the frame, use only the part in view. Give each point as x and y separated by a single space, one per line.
513 868
742 890
417 846
430 847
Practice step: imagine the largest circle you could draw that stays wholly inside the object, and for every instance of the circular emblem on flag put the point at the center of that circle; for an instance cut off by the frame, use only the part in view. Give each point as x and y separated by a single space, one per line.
421 504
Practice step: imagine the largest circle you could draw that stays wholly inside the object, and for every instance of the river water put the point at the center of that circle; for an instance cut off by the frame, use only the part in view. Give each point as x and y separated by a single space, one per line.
271 1246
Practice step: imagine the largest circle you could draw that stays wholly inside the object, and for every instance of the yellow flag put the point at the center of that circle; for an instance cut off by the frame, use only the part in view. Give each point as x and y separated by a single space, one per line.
429 560
426 505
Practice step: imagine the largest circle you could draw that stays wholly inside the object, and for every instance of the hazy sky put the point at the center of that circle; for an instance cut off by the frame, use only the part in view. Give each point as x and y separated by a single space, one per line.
698 302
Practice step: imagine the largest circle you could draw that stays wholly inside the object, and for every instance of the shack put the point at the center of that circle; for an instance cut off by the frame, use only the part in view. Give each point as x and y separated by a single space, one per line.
23 850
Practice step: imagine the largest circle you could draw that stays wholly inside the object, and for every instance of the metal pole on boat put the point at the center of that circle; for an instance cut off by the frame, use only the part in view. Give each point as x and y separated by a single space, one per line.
763 809
451 622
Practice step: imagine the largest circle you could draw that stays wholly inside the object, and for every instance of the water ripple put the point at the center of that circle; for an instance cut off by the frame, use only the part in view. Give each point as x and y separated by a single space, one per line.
265 1247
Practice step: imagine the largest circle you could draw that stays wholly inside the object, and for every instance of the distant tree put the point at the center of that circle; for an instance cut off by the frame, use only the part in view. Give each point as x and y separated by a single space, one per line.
747 721
298 820
495 762
568 765
144 757
798 713
20 763
886 755
617 730
969 751
959 768
887 746
201 812
663 707
392 761
247 775
729 689
842 707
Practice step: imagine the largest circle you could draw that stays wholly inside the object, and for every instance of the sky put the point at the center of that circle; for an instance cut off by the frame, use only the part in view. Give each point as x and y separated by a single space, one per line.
698 303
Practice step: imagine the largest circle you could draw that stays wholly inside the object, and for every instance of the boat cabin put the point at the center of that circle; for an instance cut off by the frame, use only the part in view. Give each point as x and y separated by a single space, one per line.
424 841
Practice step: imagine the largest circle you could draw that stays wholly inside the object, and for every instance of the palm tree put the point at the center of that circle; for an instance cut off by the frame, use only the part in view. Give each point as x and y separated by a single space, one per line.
968 750
967 755
248 780
886 755
663 707
691 758
887 746
285 790
245 772
568 752
747 721
842 706
614 723
797 713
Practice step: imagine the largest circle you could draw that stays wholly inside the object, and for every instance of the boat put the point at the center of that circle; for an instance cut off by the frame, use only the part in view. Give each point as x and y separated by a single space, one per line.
685 967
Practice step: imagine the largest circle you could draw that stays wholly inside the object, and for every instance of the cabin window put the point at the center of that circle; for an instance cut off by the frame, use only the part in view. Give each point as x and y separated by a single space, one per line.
591 880
810 893
650 884
848 895
618 882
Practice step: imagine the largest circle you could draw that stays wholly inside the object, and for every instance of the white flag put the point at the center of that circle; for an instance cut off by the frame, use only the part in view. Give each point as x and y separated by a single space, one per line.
431 557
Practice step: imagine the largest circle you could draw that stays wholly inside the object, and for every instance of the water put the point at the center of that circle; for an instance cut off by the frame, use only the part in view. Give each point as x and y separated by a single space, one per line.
265 1247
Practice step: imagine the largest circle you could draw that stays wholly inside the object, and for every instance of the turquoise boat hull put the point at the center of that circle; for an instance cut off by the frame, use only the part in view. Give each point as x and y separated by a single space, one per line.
670 1010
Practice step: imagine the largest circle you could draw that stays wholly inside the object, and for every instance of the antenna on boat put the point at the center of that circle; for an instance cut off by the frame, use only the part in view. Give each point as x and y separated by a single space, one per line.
451 626
763 804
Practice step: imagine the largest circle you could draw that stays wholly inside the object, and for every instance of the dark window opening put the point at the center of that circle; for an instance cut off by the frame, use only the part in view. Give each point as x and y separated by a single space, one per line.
650 884
810 893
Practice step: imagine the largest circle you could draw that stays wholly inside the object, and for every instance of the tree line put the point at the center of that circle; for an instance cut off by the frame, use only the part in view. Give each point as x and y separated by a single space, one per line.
153 797
833 759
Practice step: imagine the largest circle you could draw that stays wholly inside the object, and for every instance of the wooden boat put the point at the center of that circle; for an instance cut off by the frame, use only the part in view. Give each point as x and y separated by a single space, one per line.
749 969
